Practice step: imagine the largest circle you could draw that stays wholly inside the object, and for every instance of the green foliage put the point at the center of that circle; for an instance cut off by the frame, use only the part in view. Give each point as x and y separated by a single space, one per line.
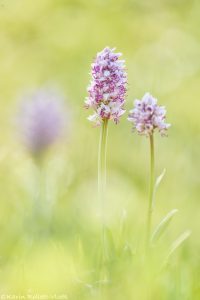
53 42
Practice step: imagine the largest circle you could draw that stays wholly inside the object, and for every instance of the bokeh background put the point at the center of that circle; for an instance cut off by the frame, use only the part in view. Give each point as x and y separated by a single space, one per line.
53 42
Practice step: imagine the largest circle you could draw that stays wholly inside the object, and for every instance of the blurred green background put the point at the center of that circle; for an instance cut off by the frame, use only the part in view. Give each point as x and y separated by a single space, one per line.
54 42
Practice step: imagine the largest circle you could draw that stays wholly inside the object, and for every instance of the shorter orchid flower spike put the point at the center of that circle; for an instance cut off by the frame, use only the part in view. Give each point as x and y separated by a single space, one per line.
147 116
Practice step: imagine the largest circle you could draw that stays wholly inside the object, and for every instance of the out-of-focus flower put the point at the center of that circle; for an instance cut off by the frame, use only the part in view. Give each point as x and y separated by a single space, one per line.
148 116
41 120
108 87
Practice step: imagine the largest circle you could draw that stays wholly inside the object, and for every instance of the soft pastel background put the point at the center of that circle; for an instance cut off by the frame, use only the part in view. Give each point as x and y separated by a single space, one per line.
52 42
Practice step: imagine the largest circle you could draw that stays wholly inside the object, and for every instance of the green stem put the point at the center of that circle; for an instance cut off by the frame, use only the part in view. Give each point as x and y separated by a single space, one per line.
102 177
41 209
38 205
151 192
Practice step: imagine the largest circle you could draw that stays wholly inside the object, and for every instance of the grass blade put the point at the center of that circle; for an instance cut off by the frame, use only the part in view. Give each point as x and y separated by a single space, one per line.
156 185
177 243
159 178
162 226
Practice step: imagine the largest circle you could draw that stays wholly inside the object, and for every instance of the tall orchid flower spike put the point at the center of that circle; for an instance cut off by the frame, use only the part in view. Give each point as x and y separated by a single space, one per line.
107 92
107 88
147 117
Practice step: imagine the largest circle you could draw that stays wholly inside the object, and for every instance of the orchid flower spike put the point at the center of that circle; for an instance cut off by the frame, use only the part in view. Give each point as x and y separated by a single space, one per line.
147 116
107 88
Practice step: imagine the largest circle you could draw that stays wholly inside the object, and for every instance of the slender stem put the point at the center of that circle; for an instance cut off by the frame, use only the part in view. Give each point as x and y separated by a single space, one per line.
41 209
102 177
151 192
38 205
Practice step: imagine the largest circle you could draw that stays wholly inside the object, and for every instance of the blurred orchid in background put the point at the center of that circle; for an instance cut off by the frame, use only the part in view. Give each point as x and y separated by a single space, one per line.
41 120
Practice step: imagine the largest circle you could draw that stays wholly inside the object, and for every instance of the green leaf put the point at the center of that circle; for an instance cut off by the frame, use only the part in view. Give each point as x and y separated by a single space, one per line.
159 178
177 243
156 185
162 226
122 227
128 251
110 244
